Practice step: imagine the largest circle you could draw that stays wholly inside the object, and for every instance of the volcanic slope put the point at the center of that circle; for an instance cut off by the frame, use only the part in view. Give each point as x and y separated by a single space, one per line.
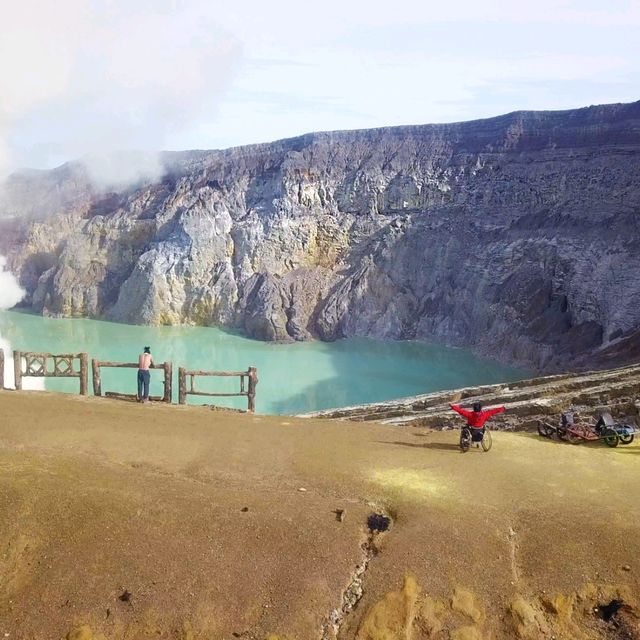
122 521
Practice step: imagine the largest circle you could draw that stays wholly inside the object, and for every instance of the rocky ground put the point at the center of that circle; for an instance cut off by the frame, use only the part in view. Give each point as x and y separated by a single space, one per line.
527 401
121 521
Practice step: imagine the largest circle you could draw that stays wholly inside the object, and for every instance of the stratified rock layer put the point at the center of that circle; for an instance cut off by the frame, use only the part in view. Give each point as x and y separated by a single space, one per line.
527 402
516 236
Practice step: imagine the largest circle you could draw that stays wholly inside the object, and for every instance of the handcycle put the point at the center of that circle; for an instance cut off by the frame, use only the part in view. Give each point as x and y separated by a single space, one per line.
606 429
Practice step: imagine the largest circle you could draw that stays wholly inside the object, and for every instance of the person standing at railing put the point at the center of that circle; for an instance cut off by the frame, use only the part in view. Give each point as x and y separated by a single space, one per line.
145 362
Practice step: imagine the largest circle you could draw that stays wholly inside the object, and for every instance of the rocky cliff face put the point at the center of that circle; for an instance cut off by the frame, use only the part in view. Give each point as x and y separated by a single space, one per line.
516 236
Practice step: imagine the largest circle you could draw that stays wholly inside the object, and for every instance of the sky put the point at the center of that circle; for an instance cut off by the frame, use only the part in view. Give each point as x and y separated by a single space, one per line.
82 77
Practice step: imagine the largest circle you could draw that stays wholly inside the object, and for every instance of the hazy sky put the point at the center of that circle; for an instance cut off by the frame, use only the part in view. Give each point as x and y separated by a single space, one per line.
80 76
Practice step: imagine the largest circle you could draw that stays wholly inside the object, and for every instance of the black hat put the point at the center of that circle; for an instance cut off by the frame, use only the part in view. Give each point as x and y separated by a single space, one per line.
147 349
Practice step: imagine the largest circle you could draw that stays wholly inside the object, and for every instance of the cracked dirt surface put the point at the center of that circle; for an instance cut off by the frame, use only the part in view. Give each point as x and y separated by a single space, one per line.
200 516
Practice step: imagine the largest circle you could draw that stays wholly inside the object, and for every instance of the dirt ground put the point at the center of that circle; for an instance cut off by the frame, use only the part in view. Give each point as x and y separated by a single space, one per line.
123 521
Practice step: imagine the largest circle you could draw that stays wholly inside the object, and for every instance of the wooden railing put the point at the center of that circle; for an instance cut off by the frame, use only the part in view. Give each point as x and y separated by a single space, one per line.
37 366
248 389
48 365
97 365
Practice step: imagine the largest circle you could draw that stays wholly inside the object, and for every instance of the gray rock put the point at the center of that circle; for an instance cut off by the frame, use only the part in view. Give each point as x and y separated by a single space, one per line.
516 236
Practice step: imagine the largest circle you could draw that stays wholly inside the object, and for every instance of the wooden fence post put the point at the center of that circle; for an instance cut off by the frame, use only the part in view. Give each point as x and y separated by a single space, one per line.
84 373
182 385
1 369
95 372
17 369
168 382
251 395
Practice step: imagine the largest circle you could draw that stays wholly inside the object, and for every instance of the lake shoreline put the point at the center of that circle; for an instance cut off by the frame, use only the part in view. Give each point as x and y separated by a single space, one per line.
294 377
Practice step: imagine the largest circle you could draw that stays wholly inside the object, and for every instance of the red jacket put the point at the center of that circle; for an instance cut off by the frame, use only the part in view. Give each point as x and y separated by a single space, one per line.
476 418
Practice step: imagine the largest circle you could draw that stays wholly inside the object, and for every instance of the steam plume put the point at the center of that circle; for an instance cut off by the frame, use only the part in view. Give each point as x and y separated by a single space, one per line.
10 294
10 291
94 77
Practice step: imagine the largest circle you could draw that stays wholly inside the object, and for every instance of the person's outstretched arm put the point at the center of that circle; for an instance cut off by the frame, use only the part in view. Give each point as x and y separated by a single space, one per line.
492 412
463 412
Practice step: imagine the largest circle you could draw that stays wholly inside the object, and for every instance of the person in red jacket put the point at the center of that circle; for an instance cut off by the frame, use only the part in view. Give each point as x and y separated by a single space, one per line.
477 418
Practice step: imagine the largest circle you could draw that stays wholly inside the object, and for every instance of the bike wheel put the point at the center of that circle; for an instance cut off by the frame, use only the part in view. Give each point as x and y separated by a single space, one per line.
487 440
465 439
626 438
610 438
544 430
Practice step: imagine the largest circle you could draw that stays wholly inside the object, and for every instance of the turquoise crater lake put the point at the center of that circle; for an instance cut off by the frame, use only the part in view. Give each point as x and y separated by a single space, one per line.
294 378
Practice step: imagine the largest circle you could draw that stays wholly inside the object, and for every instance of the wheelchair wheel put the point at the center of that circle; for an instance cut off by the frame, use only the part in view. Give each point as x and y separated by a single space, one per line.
465 439
487 440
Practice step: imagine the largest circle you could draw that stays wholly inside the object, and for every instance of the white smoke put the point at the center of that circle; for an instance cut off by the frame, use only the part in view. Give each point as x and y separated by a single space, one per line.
10 294
118 169
97 77
10 291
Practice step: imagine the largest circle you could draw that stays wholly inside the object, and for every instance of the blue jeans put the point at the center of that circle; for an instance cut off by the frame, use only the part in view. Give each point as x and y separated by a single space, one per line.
144 377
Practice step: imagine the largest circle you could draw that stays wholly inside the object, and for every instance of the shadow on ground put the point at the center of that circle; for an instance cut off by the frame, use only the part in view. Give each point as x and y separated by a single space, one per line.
441 446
